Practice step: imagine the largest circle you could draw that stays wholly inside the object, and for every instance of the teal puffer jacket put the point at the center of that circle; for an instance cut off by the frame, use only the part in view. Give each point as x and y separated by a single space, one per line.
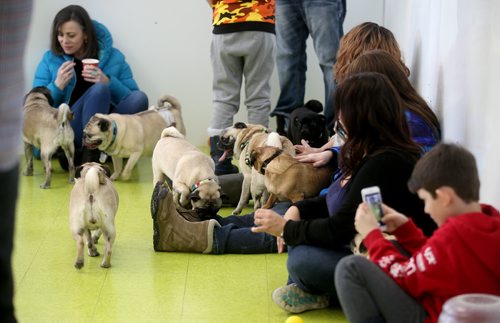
111 62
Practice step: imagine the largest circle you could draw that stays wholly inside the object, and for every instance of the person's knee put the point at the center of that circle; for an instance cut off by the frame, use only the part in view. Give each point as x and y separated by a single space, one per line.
349 267
135 102
99 89
139 99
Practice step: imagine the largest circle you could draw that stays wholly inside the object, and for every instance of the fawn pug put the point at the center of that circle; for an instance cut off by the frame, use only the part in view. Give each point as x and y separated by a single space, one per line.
287 178
47 128
239 141
92 207
131 136
192 172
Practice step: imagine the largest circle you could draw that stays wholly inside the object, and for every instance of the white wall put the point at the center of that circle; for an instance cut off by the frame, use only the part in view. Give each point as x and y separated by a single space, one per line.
453 50
167 45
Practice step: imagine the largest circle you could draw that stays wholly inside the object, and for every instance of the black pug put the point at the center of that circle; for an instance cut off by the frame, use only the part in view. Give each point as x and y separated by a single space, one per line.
307 123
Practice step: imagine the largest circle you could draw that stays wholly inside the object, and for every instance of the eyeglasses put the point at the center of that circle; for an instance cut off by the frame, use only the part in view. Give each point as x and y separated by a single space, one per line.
340 130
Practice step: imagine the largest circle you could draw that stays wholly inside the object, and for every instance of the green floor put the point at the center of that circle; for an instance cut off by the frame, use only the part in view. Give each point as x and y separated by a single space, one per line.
141 285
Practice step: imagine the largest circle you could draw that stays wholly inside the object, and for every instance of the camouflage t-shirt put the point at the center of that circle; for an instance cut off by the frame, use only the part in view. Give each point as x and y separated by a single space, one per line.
243 15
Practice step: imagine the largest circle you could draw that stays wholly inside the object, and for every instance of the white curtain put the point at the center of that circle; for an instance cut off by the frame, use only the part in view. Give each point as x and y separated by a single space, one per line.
453 50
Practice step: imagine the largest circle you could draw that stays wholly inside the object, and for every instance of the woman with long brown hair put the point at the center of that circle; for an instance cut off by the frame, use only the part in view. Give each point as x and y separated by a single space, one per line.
424 125
362 38
378 151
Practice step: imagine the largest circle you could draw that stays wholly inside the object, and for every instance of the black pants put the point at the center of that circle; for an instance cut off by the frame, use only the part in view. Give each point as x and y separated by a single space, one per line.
8 197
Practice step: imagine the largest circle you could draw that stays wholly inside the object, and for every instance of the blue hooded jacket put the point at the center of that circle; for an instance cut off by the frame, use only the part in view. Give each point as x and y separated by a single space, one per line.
111 62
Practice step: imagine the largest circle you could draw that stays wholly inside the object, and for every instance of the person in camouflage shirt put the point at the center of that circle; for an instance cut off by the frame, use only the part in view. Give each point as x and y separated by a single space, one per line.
243 47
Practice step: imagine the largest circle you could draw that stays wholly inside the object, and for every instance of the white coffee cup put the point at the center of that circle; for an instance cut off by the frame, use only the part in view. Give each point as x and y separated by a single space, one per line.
90 62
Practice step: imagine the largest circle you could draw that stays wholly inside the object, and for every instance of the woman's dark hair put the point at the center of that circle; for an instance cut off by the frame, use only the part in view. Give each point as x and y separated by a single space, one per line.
370 110
382 62
79 15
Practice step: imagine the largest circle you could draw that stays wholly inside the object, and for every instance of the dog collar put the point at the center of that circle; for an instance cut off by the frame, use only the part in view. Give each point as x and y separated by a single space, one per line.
244 144
270 159
199 183
115 131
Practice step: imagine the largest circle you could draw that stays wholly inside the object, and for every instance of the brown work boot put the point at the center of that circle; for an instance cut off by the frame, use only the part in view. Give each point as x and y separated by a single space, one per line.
195 215
172 232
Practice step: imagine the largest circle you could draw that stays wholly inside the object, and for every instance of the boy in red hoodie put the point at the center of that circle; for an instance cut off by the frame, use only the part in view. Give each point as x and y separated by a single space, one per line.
462 256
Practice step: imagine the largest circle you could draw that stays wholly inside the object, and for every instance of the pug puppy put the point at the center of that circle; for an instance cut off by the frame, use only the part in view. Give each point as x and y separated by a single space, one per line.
307 123
239 141
191 171
287 178
131 136
92 207
47 128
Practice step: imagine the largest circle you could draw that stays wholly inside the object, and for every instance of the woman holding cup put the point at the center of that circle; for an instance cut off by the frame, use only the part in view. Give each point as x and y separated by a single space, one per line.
84 70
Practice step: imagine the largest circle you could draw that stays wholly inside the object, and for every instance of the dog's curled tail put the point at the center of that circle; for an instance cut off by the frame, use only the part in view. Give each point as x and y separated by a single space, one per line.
92 181
64 114
165 100
274 140
171 132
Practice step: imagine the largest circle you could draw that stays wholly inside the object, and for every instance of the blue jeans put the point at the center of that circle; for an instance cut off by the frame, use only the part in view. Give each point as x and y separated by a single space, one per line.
295 21
235 235
97 100
313 268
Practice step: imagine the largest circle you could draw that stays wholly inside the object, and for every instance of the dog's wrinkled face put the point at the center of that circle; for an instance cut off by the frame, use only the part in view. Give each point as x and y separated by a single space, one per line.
228 139
309 126
206 198
98 132
35 94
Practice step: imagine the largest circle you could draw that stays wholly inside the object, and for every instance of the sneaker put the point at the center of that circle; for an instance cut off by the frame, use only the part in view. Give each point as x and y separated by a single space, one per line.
294 300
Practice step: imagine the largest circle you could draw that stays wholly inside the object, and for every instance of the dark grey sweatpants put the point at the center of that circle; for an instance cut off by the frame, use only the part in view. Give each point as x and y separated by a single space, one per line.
367 294
248 55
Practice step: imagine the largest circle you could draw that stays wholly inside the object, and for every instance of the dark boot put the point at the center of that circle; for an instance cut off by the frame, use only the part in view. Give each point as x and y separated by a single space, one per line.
172 232
230 185
221 167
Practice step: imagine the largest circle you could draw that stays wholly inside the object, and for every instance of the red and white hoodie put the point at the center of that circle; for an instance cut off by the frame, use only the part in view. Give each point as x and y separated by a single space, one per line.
462 256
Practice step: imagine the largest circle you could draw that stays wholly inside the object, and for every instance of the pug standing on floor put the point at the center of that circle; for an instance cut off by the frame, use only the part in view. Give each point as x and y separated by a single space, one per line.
192 172
47 128
92 207
131 136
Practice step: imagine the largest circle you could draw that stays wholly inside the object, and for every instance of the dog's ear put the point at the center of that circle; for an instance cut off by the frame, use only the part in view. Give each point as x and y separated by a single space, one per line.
104 124
253 158
106 170
78 171
71 115
314 105
240 125
194 196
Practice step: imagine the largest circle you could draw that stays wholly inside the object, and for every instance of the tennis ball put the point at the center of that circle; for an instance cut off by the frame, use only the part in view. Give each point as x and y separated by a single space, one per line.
294 319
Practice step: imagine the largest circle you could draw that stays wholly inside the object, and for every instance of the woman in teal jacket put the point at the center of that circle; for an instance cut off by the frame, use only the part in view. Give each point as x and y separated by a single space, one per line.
106 88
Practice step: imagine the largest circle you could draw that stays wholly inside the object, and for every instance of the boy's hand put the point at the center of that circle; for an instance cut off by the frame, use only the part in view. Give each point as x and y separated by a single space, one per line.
392 219
365 220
